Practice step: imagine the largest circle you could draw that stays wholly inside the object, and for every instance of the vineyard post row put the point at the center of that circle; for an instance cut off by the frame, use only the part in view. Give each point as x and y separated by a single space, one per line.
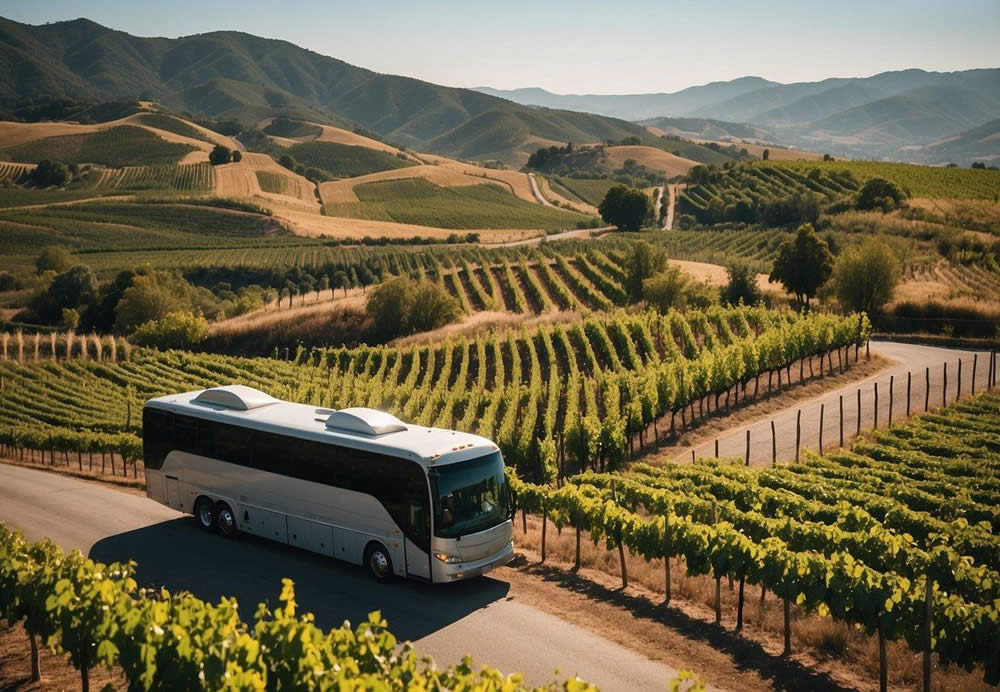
990 383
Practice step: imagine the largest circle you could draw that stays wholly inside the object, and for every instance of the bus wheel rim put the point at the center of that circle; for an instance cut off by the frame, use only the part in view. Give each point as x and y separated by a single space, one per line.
226 519
379 563
205 515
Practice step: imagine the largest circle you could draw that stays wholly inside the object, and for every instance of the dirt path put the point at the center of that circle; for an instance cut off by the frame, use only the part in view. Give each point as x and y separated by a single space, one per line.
668 221
538 193
919 361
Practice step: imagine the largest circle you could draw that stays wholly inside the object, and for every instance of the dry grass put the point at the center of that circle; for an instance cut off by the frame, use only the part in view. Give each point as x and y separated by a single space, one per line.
716 275
652 158
300 191
824 647
272 315
775 154
488 320
550 194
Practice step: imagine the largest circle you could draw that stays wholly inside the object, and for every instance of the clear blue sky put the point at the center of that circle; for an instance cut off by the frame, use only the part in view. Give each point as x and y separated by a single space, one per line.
626 46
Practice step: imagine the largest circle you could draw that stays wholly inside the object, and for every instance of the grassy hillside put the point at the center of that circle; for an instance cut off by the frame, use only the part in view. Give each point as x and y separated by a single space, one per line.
236 75
345 161
288 127
417 201
920 181
116 147
172 124
130 226
590 190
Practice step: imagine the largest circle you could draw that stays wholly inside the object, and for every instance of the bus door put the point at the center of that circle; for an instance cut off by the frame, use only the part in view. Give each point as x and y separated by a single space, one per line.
418 559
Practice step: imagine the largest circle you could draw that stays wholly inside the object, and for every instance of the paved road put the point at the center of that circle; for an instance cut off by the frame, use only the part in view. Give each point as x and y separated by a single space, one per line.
477 617
913 358
668 219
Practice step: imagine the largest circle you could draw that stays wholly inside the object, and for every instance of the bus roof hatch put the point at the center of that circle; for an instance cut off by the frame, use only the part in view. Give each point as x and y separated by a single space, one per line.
367 421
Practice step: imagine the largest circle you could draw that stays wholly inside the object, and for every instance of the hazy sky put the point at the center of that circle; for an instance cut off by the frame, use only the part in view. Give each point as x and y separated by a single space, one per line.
626 46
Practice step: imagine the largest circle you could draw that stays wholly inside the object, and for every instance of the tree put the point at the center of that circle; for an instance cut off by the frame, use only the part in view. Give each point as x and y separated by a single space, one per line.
742 285
677 290
220 155
402 306
288 161
154 295
53 258
643 261
74 288
237 156
49 173
879 193
365 276
865 276
803 264
766 155
180 330
341 280
625 207
324 285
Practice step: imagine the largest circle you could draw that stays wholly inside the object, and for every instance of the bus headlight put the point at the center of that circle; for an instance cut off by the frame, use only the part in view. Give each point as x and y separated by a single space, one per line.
448 559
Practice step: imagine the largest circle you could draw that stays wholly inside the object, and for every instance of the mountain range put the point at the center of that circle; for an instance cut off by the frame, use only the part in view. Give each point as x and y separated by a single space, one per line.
908 114
229 74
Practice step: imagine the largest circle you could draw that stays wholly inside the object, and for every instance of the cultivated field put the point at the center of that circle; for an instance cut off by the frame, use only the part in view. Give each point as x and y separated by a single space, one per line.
652 158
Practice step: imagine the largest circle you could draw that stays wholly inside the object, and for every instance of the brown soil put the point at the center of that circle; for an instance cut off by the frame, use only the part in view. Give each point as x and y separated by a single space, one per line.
57 673
826 655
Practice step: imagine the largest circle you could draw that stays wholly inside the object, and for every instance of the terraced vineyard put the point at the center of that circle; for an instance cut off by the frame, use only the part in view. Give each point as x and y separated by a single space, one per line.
897 536
273 182
16 173
919 181
740 193
603 381
196 177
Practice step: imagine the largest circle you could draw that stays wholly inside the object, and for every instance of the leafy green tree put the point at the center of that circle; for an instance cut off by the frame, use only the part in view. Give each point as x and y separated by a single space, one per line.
75 288
625 208
865 277
742 285
220 155
237 156
49 173
402 306
341 280
766 155
879 193
803 264
154 295
53 258
643 261
182 330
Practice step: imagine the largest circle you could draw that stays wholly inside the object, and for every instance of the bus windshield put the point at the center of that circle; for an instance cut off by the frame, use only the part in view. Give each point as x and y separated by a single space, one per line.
470 496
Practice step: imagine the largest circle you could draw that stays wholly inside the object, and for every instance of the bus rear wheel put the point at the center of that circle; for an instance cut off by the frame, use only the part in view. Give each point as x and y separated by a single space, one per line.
204 514
225 520
379 562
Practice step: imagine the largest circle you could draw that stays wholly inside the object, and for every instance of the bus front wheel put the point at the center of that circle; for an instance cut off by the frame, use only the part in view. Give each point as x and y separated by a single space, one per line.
226 520
379 562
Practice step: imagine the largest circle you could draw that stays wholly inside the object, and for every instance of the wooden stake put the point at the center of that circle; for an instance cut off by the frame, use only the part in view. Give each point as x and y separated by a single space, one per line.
788 628
841 420
822 410
892 387
545 523
875 426
718 584
883 668
944 387
928 611
739 607
798 433
958 390
774 446
859 412
748 447
909 382
666 558
975 359
716 448
927 389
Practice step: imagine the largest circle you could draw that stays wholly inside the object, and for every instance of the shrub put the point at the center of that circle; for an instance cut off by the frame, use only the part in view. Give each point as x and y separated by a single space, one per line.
49 173
53 258
181 330
237 156
643 261
865 277
625 207
675 289
742 286
879 193
402 306
220 155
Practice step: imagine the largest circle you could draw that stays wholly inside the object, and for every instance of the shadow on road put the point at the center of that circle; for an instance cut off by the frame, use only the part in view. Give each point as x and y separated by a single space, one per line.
177 555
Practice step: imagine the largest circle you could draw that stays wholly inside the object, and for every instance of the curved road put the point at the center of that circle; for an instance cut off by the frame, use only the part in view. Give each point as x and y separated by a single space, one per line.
908 358
481 617
537 192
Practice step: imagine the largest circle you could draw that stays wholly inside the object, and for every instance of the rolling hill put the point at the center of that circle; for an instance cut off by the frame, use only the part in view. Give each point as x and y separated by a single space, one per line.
228 74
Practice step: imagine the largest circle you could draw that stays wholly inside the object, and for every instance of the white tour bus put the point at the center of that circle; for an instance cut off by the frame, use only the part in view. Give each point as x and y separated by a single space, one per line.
356 484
